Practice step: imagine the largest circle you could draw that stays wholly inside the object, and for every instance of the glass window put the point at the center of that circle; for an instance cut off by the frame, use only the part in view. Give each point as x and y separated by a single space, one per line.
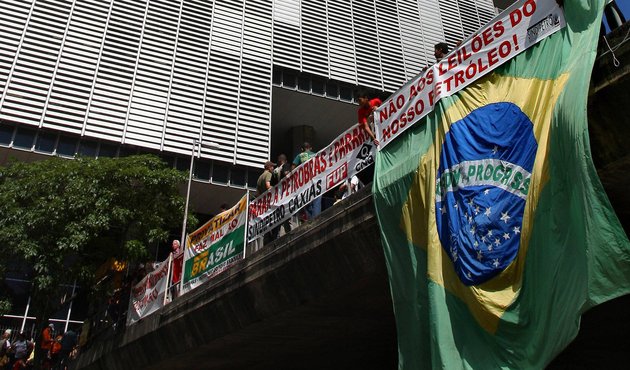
288 78
220 173
24 138
202 170
45 142
88 148
345 93
107 150
237 176
170 161
304 83
252 177
277 76
183 164
331 89
318 85
6 134
67 146
126 151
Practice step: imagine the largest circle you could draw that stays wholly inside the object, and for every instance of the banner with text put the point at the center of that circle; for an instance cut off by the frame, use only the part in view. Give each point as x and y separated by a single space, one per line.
347 155
148 295
215 246
521 26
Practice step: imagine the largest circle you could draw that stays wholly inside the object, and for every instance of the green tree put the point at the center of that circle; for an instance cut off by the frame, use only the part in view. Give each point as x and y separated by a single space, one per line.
62 219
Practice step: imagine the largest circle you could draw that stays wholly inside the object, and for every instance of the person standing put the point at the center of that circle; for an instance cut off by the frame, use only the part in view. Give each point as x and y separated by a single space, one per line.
21 350
262 185
5 345
281 171
177 264
314 208
440 51
264 180
46 345
367 107
68 342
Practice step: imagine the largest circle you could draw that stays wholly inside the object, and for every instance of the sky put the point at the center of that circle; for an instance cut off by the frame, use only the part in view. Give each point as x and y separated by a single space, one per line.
624 5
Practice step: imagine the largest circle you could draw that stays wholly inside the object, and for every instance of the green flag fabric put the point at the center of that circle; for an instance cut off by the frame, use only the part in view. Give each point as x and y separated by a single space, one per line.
497 232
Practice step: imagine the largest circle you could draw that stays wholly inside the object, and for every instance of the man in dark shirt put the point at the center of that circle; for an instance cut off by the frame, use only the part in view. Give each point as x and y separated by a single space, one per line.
441 49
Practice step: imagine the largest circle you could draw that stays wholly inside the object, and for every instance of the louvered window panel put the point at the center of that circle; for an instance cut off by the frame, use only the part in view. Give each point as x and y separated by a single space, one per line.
453 31
314 37
412 38
221 107
254 111
369 73
341 41
185 113
147 108
486 11
433 31
286 34
114 78
13 16
70 92
469 16
390 45
35 66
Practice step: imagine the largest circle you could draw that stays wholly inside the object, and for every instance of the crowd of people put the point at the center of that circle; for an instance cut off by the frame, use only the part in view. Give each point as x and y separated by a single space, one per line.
57 349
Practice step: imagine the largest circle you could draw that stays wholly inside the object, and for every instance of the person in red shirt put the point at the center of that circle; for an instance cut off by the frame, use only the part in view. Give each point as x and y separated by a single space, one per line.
178 261
46 344
367 106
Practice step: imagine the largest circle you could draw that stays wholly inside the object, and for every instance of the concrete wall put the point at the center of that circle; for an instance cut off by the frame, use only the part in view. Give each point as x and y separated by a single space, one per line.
318 298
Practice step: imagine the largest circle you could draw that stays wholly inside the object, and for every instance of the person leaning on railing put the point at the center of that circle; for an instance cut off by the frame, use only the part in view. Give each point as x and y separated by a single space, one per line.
367 107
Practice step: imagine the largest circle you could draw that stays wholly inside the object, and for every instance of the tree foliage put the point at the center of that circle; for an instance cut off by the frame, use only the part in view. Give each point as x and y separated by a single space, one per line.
61 219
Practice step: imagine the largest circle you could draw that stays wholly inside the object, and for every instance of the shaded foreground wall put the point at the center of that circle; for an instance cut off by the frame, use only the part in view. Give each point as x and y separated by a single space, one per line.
316 299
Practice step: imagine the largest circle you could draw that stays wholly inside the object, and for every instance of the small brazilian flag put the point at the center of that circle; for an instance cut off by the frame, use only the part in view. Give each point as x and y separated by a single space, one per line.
497 232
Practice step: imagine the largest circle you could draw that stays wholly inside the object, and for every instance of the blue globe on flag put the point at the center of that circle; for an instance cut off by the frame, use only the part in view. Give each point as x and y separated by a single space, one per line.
482 184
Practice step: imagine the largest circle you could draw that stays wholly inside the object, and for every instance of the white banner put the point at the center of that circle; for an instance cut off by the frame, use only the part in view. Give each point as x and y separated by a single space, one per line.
148 295
215 246
511 33
347 155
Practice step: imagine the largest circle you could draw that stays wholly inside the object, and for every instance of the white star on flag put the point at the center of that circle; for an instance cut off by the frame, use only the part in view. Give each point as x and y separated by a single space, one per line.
486 192
495 263
456 206
490 247
517 230
488 211
470 202
479 255
505 217
489 232
484 238
473 230
476 210
495 149
443 210
497 242
506 236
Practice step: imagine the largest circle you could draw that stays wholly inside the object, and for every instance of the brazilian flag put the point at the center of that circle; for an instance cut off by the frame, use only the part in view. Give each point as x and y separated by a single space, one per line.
496 229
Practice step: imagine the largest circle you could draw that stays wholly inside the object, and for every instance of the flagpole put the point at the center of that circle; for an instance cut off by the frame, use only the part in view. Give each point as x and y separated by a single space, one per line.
246 225
169 278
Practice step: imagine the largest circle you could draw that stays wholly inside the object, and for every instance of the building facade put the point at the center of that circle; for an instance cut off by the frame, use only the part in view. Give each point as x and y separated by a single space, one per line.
96 77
